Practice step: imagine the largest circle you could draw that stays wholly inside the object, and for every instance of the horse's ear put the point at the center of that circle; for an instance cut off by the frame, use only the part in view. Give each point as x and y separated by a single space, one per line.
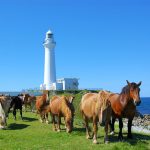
128 82
139 83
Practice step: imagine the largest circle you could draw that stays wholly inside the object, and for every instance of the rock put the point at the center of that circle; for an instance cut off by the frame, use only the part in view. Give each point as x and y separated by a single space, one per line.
140 122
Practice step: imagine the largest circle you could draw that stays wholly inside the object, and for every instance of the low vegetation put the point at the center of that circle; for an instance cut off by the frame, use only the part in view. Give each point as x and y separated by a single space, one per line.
31 134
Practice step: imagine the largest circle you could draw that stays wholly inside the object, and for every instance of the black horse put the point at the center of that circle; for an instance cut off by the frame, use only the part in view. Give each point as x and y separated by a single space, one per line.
16 103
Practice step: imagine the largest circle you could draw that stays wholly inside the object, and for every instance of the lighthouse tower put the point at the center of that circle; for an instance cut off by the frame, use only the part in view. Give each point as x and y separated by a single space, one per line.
50 82
49 66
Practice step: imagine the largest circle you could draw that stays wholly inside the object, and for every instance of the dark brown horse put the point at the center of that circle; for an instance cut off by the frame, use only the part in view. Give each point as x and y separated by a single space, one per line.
16 103
124 106
29 101
61 106
96 107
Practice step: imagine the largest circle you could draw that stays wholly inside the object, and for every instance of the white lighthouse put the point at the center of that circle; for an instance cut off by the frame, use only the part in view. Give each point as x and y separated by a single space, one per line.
50 82
49 65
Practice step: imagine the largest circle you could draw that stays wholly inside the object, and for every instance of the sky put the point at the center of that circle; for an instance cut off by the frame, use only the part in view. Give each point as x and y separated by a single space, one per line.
103 43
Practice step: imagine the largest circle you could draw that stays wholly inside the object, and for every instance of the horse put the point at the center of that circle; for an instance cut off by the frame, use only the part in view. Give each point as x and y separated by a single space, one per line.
16 103
42 107
62 106
124 106
29 101
96 107
4 107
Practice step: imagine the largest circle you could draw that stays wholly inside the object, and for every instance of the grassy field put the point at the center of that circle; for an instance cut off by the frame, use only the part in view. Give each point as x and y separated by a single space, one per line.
31 134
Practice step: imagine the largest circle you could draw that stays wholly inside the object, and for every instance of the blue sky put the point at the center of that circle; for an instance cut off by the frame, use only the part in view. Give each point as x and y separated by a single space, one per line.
103 43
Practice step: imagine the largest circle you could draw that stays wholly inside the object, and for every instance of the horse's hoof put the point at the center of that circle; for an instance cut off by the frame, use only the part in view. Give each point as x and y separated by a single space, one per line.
112 133
130 136
106 141
41 121
95 142
68 131
120 139
88 137
58 130
47 121
54 129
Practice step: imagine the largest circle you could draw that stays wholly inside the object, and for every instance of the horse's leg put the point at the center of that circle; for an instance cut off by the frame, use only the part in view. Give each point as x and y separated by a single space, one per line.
112 132
14 113
120 136
129 129
41 117
72 121
58 123
52 118
46 117
21 113
32 106
53 121
87 127
25 107
95 129
65 123
106 140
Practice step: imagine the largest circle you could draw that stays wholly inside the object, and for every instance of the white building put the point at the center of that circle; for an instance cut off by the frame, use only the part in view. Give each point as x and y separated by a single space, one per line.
50 82
67 84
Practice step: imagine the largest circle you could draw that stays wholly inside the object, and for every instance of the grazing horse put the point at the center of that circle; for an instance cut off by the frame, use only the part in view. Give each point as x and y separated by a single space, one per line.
124 106
16 103
96 107
4 107
62 106
29 101
42 107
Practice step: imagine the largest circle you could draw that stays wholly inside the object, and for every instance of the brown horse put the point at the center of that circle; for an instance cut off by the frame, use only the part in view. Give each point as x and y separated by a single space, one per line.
29 101
5 102
124 106
96 107
61 106
42 107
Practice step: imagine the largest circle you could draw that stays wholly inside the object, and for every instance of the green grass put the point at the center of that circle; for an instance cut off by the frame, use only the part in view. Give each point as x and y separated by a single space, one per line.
30 134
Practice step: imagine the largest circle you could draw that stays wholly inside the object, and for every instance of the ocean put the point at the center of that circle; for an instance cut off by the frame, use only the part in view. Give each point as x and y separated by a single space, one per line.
143 108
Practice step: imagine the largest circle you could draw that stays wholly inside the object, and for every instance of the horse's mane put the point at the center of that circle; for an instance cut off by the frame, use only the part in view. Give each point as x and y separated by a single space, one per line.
66 106
104 95
125 89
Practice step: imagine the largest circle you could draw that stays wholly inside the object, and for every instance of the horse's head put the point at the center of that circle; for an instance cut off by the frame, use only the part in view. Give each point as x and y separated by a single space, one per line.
134 92
105 107
71 98
68 111
68 121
